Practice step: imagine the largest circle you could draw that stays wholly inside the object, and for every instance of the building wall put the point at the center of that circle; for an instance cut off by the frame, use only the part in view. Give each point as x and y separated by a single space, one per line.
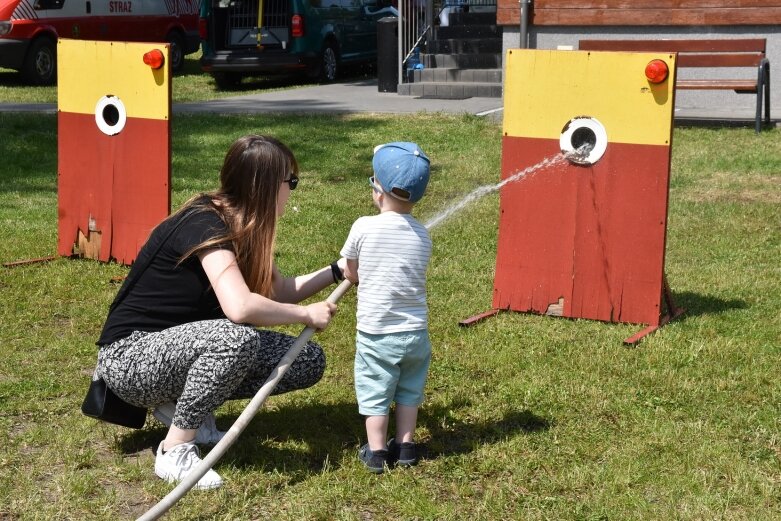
643 12
562 23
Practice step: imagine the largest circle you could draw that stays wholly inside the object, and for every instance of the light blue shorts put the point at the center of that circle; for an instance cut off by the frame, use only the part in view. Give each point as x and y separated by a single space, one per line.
390 367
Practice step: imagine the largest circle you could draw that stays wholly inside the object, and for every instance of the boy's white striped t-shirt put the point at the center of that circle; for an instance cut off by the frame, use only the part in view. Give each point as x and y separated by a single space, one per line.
393 251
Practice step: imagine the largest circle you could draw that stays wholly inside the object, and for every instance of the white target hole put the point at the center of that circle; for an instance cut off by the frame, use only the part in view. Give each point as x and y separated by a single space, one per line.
110 115
583 140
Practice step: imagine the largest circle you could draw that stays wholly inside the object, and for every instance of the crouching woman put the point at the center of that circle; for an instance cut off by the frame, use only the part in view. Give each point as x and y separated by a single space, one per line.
181 335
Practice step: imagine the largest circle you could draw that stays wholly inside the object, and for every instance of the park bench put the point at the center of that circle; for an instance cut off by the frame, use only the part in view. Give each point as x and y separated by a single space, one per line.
721 53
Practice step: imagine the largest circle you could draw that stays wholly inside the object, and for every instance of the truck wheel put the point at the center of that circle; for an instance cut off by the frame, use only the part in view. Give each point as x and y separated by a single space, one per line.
329 63
227 80
176 43
40 66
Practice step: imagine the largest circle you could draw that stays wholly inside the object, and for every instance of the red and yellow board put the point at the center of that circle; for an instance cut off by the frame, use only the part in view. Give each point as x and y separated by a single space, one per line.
585 241
112 189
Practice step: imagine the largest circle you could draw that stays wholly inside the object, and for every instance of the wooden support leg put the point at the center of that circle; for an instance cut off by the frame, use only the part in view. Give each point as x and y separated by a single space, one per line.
477 318
671 312
25 262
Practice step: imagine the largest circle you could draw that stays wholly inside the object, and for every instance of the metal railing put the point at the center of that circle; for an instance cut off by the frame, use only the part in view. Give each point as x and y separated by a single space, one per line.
416 19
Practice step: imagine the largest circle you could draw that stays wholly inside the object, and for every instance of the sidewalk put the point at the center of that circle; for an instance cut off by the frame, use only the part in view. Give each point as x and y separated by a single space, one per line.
340 98
361 96
336 98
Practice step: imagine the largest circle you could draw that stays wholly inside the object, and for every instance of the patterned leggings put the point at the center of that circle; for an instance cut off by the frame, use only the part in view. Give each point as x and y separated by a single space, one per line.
201 365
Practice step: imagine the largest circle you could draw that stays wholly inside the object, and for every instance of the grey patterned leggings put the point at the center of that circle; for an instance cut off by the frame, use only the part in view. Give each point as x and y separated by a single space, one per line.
201 365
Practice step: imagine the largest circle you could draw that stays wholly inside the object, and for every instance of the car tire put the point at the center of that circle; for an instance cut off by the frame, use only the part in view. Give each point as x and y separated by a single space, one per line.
176 42
227 80
329 63
40 65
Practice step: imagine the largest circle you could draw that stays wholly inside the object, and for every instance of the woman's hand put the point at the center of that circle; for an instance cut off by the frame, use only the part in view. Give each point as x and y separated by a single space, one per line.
319 314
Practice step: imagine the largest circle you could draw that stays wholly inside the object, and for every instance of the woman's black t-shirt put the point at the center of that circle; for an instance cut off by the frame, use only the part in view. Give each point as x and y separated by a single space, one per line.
168 293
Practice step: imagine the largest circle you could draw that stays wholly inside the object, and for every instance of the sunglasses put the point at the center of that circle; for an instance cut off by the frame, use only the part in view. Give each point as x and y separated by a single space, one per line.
292 182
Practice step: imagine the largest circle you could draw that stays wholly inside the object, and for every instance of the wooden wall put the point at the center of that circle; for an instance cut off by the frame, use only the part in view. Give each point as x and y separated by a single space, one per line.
643 12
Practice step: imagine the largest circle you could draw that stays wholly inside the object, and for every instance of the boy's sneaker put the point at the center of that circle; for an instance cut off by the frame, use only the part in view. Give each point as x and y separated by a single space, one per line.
404 454
374 460
174 464
207 433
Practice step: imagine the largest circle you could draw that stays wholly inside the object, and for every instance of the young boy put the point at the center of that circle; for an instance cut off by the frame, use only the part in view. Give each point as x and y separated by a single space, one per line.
389 253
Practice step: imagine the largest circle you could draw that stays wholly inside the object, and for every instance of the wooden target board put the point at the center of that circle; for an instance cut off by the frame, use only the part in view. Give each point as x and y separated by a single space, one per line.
113 147
585 240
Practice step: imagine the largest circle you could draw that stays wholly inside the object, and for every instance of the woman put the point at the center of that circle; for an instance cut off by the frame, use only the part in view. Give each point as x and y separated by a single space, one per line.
181 328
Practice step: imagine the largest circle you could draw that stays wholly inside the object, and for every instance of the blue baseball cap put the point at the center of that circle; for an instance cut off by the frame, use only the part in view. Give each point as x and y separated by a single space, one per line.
402 169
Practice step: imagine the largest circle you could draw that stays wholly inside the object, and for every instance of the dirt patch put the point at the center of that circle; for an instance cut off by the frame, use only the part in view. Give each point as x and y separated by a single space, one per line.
730 187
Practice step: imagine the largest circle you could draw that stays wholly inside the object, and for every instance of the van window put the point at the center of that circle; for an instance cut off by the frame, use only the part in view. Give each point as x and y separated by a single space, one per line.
41 5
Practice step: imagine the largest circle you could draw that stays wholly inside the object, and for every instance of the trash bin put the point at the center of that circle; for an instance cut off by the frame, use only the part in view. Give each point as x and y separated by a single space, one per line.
388 54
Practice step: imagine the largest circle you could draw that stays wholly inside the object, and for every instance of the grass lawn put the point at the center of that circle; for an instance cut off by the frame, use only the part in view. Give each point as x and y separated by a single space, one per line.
526 417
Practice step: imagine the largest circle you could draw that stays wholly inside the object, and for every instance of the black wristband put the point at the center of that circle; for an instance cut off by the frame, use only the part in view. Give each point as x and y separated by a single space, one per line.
336 272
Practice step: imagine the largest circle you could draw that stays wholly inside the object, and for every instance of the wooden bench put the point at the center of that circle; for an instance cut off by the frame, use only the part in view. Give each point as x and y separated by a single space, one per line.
748 52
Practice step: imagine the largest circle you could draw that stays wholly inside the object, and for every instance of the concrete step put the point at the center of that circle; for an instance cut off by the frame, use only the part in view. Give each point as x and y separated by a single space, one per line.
451 90
463 61
439 74
464 46
467 31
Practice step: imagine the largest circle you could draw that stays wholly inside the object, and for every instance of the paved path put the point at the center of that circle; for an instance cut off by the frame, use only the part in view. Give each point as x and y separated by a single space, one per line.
362 96
336 98
340 98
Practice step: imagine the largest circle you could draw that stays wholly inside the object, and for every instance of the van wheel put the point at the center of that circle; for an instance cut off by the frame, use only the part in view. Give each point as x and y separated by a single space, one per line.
329 63
40 66
227 80
176 42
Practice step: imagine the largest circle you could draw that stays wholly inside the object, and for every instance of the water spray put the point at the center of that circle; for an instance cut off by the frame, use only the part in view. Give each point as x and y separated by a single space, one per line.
279 371
573 155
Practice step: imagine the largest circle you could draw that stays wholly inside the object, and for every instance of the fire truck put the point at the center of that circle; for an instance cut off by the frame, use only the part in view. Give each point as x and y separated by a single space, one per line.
29 29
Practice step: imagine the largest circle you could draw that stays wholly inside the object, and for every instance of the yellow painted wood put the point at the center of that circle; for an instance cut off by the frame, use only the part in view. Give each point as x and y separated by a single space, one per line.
88 70
545 89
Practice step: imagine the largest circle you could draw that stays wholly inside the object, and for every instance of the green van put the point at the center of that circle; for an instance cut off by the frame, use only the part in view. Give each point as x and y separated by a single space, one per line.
314 36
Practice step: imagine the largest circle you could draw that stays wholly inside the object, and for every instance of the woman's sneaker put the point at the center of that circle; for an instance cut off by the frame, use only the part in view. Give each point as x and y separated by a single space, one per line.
403 454
174 464
374 460
207 433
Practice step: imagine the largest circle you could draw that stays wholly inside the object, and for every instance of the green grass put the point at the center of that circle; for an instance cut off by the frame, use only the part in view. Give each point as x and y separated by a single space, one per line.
526 417
190 84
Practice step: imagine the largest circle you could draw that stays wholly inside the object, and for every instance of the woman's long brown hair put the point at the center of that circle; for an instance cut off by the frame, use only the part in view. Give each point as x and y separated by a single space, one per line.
250 180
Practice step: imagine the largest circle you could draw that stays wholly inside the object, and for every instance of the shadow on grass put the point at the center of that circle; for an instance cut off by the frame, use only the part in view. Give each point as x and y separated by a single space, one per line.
349 72
696 304
451 436
12 78
719 123
311 438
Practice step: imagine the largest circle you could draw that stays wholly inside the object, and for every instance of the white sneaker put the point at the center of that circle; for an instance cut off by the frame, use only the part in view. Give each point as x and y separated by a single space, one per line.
207 433
175 464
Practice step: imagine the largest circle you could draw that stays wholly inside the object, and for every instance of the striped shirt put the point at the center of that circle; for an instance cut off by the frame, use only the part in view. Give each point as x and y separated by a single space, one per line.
393 251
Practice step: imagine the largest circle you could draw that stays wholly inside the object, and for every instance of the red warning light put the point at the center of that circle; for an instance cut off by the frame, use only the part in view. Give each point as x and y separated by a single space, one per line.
656 71
154 58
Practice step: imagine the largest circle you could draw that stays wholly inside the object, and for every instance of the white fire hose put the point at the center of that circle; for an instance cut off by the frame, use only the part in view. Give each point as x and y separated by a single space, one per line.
243 420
